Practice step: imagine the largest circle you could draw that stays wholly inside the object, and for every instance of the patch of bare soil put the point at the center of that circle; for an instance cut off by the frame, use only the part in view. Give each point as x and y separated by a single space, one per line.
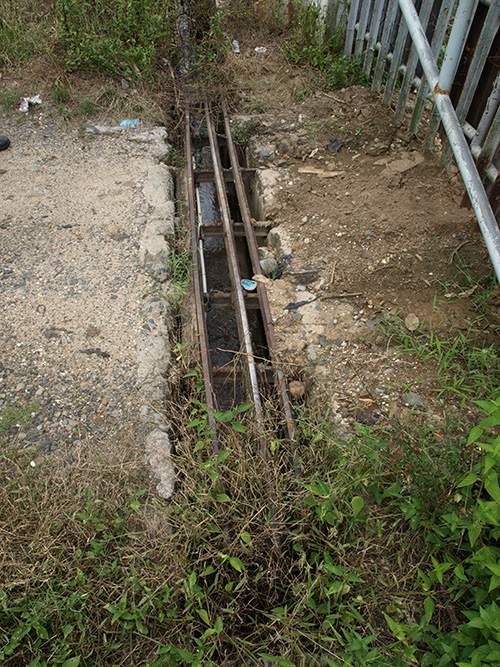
368 226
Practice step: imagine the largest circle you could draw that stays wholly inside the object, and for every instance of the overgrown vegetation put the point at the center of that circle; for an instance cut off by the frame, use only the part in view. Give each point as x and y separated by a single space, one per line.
313 44
384 552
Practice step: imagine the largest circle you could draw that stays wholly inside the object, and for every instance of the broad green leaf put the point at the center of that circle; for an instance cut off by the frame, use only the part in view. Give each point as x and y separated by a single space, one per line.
223 498
204 616
474 434
428 609
357 504
237 564
468 480
196 422
222 456
397 629
491 485
72 662
238 427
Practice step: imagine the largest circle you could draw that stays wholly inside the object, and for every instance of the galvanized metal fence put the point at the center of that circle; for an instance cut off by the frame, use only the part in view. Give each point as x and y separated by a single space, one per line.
440 58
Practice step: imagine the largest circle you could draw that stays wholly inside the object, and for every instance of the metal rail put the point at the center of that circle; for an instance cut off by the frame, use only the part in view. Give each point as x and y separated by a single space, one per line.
261 290
200 313
234 272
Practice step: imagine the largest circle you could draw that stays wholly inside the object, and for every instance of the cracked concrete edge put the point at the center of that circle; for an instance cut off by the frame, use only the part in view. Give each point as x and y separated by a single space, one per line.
263 201
154 350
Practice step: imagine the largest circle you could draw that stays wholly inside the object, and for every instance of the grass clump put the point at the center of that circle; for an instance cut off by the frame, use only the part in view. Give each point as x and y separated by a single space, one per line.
24 27
311 43
121 38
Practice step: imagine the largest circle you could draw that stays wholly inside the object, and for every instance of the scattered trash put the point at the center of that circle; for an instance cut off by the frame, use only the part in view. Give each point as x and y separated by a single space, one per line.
249 285
298 304
313 153
25 104
260 49
135 122
235 46
333 145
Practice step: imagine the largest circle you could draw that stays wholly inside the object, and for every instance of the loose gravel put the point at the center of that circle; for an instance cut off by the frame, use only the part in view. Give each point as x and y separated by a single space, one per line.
74 294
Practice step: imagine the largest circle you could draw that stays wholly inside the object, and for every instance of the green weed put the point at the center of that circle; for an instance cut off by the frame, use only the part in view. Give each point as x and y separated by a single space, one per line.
12 416
24 27
462 366
121 38
179 271
312 43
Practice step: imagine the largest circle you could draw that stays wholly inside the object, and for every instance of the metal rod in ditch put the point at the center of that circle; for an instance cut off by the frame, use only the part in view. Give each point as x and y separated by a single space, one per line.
200 312
261 290
200 244
234 272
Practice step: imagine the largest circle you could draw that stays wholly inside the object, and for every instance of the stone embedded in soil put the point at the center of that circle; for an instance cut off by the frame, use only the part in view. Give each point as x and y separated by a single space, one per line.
413 400
296 389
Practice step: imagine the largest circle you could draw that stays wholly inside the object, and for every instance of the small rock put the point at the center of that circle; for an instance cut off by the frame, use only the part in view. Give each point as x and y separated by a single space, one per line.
296 389
412 322
269 266
412 400
373 323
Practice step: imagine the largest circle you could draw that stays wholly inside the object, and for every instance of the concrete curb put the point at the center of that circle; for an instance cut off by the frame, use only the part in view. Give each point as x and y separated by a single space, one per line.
154 350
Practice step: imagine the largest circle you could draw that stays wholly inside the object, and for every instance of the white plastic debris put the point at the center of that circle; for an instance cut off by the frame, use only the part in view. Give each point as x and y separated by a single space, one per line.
25 104
260 49
235 46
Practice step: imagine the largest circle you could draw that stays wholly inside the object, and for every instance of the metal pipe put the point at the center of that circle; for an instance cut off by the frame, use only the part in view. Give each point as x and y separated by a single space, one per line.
200 314
234 272
459 31
465 161
261 290
200 245
486 119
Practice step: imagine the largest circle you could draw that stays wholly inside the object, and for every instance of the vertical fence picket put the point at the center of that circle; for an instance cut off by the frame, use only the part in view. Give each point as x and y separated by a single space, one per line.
351 23
390 18
481 52
460 29
411 66
492 140
487 119
442 23
395 63
362 24
373 36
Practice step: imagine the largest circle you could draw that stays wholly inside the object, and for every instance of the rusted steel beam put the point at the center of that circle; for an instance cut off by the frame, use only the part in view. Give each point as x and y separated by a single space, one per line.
204 175
261 290
234 272
224 299
224 373
200 312
216 229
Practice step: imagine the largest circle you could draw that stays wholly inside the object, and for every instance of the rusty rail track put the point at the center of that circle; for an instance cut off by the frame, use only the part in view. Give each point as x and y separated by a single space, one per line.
242 302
